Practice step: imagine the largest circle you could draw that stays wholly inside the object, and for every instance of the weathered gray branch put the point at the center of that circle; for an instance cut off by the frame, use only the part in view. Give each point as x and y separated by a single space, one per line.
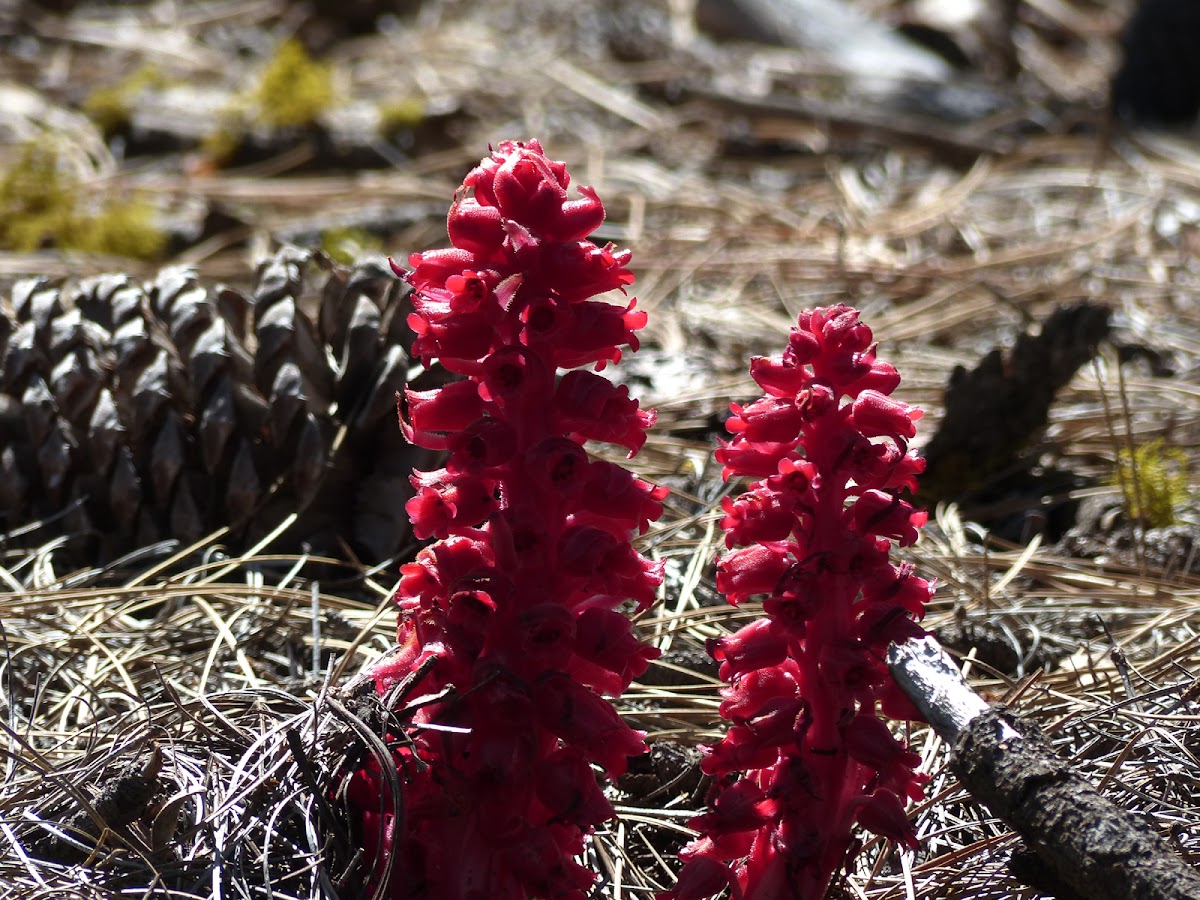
1087 844
883 70
846 36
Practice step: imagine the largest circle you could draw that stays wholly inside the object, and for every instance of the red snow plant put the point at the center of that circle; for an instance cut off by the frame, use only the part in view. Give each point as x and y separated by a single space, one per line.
807 683
519 600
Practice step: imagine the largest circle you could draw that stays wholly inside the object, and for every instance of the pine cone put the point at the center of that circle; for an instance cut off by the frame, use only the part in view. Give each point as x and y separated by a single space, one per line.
168 410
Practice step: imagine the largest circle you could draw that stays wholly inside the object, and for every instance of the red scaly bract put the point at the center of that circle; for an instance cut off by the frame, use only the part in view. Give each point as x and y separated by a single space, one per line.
807 682
518 598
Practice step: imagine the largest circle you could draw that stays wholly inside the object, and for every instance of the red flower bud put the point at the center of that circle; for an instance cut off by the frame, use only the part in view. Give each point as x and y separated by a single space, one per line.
736 754
877 415
445 500
566 784
778 377
869 741
755 646
614 494
759 688
606 640
586 722
883 814
770 419
702 877
432 268
766 516
756 460
881 513
449 408
512 376
467 291
596 409
560 466
546 636
743 807
474 227
752 570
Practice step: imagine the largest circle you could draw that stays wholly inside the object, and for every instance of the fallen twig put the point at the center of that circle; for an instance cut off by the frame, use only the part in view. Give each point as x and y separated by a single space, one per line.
1088 846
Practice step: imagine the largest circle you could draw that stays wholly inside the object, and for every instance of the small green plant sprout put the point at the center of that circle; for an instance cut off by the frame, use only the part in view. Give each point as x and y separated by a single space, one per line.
294 89
1153 479
43 204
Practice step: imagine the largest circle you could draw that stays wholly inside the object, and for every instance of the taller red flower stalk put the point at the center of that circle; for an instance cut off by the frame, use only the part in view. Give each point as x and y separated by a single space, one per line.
518 599
830 450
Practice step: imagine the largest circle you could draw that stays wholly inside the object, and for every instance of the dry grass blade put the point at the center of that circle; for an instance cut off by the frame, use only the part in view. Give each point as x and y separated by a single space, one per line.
170 735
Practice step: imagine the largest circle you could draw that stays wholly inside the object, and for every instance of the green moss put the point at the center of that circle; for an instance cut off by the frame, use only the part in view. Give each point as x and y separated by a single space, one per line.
294 89
110 106
346 245
1154 482
36 203
399 114
40 205
124 228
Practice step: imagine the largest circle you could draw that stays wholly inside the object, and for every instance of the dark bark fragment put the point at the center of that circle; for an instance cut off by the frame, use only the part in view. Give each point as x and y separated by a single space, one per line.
121 799
994 411
1089 844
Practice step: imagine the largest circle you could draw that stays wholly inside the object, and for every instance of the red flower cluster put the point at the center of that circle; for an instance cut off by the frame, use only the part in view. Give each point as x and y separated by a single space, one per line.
518 599
805 682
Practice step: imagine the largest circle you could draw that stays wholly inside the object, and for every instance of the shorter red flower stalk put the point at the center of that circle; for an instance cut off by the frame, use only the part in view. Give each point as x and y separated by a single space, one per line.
518 600
830 450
